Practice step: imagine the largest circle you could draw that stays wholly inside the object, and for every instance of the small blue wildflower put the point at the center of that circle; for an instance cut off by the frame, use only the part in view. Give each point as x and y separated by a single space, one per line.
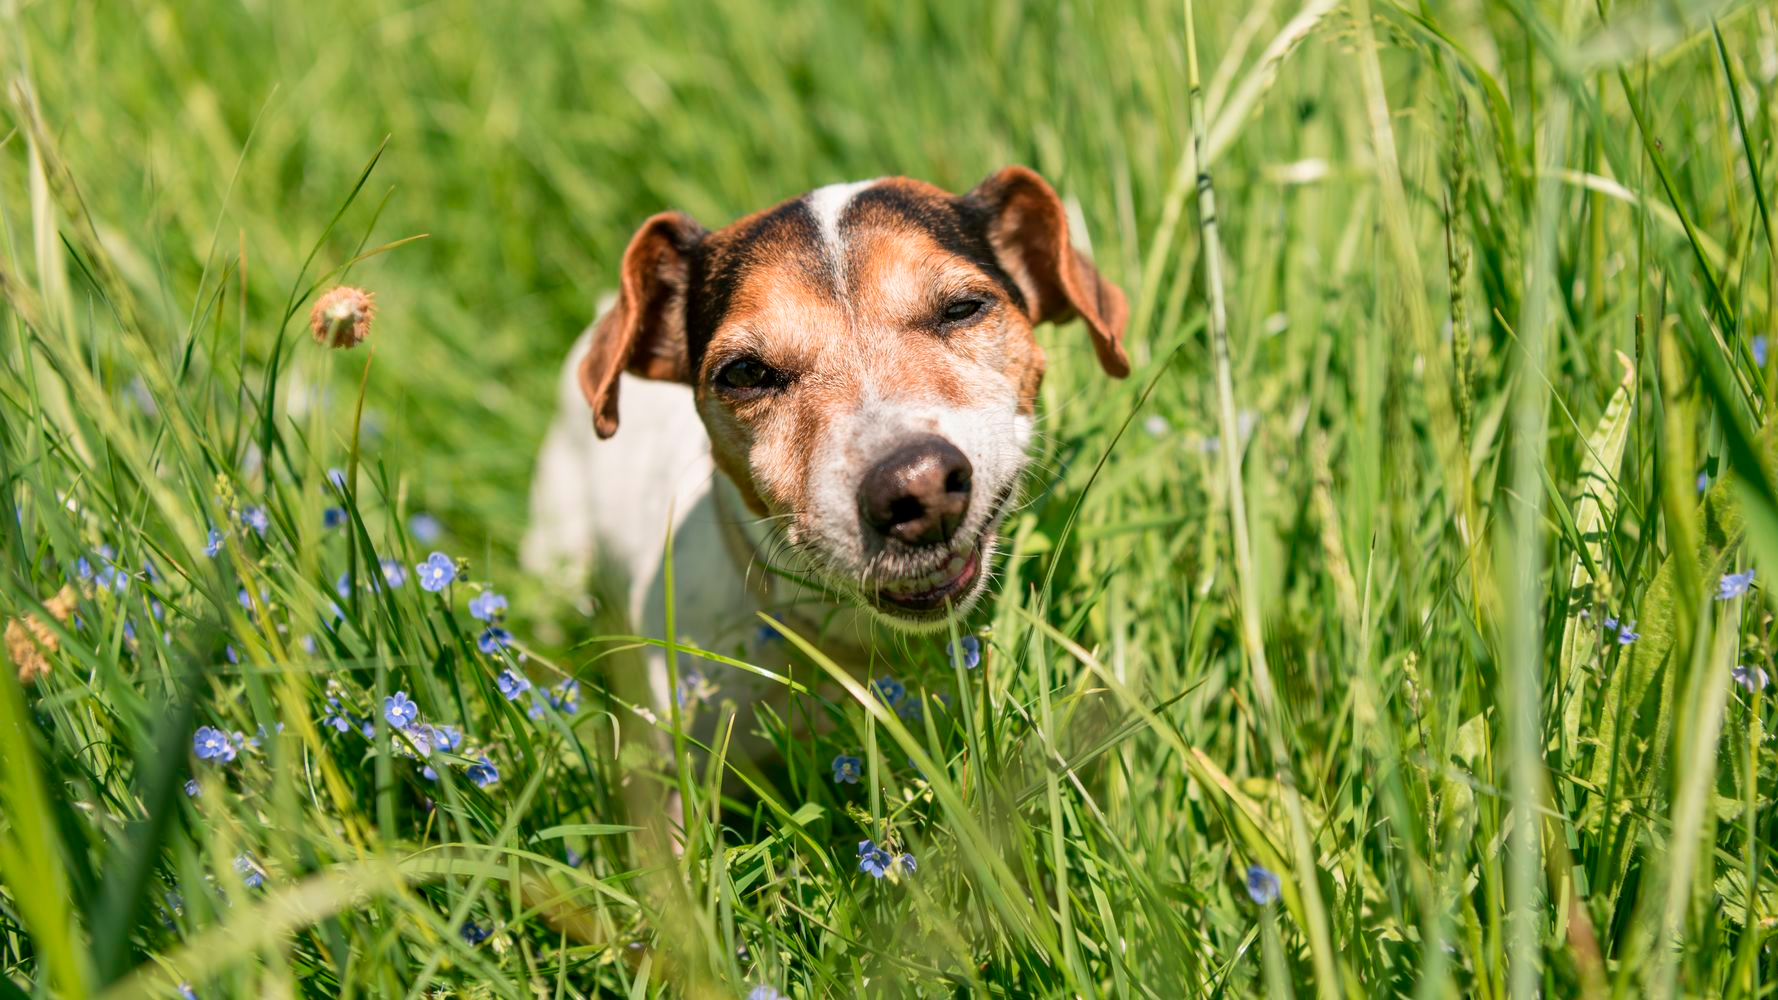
185 992
425 528
252 876
150 572
1627 633
229 653
765 992
307 642
911 709
394 573
447 738
889 690
210 743
847 769
336 718
436 573
1733 585
536 709
1751 677
368 726
572 856
1703 481
1759 350
474 933
213 543
493 639
907 863
109 577
245 599
873 860
483 773
333 517
343 586
83 568
512 684
565 697
1262 885
1610 623
968 649
255 518
400 710
191 787
487 606
428 772
337 477
129 633
764 633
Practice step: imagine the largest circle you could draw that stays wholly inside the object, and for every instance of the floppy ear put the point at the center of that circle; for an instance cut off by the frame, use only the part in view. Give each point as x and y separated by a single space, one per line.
1028 230
644 332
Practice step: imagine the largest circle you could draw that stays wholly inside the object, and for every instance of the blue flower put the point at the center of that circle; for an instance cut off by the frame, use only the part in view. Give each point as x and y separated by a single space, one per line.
483 773
337 477
889 690
968 649
83 568
873 860
436 573
487 606
210 743
1759 350
213 543
565 697
763 633
846 769
1262 885
254 517
428 772
572 856
343 586
447 738
339 720
395 574
911 709
474 933
1703 481
191 787
185 992
907 863
1627 633
425 528
232 655
1733 585
1753 678
129 633
493 639
400 710
765 992
245 599
333 517
512 684
252 876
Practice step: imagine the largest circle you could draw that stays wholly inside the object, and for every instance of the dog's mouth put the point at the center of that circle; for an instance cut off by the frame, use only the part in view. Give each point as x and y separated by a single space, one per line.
936 590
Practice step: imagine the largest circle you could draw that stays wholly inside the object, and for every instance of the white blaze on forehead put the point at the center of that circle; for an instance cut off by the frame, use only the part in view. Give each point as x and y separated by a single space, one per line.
828 206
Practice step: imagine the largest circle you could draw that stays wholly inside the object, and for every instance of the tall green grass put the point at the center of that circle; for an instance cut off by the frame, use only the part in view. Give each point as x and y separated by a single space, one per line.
1477 295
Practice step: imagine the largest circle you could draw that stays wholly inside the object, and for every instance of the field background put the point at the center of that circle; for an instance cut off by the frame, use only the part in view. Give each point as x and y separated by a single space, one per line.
1495 280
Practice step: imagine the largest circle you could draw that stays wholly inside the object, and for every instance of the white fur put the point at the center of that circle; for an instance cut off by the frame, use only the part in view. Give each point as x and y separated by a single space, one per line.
828 206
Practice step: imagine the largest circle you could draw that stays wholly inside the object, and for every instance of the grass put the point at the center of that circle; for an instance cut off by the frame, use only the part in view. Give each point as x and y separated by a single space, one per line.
1478 294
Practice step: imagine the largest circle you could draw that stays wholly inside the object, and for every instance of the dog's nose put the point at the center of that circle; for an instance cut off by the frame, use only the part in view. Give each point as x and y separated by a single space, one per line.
919 493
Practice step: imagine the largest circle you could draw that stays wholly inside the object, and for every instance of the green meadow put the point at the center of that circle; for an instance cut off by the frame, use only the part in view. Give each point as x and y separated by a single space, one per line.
1398 628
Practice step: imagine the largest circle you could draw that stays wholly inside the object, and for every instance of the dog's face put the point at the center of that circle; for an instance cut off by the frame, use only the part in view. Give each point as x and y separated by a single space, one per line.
863 359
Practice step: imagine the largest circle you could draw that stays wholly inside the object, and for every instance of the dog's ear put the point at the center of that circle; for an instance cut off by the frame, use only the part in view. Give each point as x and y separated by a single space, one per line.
645 330
1028 229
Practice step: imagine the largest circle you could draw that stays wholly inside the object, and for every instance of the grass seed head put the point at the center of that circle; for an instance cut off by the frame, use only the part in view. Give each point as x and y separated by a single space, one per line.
341 318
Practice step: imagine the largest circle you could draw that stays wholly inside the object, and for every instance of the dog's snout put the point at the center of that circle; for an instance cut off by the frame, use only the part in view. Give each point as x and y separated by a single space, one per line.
919 493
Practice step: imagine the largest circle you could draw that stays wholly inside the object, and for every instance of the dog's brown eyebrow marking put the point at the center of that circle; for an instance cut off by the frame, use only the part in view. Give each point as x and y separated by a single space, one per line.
811 231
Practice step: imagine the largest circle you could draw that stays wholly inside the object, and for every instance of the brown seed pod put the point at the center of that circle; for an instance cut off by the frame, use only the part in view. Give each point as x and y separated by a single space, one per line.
341 318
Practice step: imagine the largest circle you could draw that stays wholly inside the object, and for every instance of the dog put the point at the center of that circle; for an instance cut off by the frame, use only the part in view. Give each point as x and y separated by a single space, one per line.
828 402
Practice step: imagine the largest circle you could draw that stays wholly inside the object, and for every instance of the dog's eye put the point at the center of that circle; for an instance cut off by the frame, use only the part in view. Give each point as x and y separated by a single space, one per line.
747 373
962 309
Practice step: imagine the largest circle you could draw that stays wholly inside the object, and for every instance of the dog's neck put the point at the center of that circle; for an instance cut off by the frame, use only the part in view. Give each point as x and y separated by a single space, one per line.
814 613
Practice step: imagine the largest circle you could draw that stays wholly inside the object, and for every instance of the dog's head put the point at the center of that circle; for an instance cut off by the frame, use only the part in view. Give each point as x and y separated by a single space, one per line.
864 361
